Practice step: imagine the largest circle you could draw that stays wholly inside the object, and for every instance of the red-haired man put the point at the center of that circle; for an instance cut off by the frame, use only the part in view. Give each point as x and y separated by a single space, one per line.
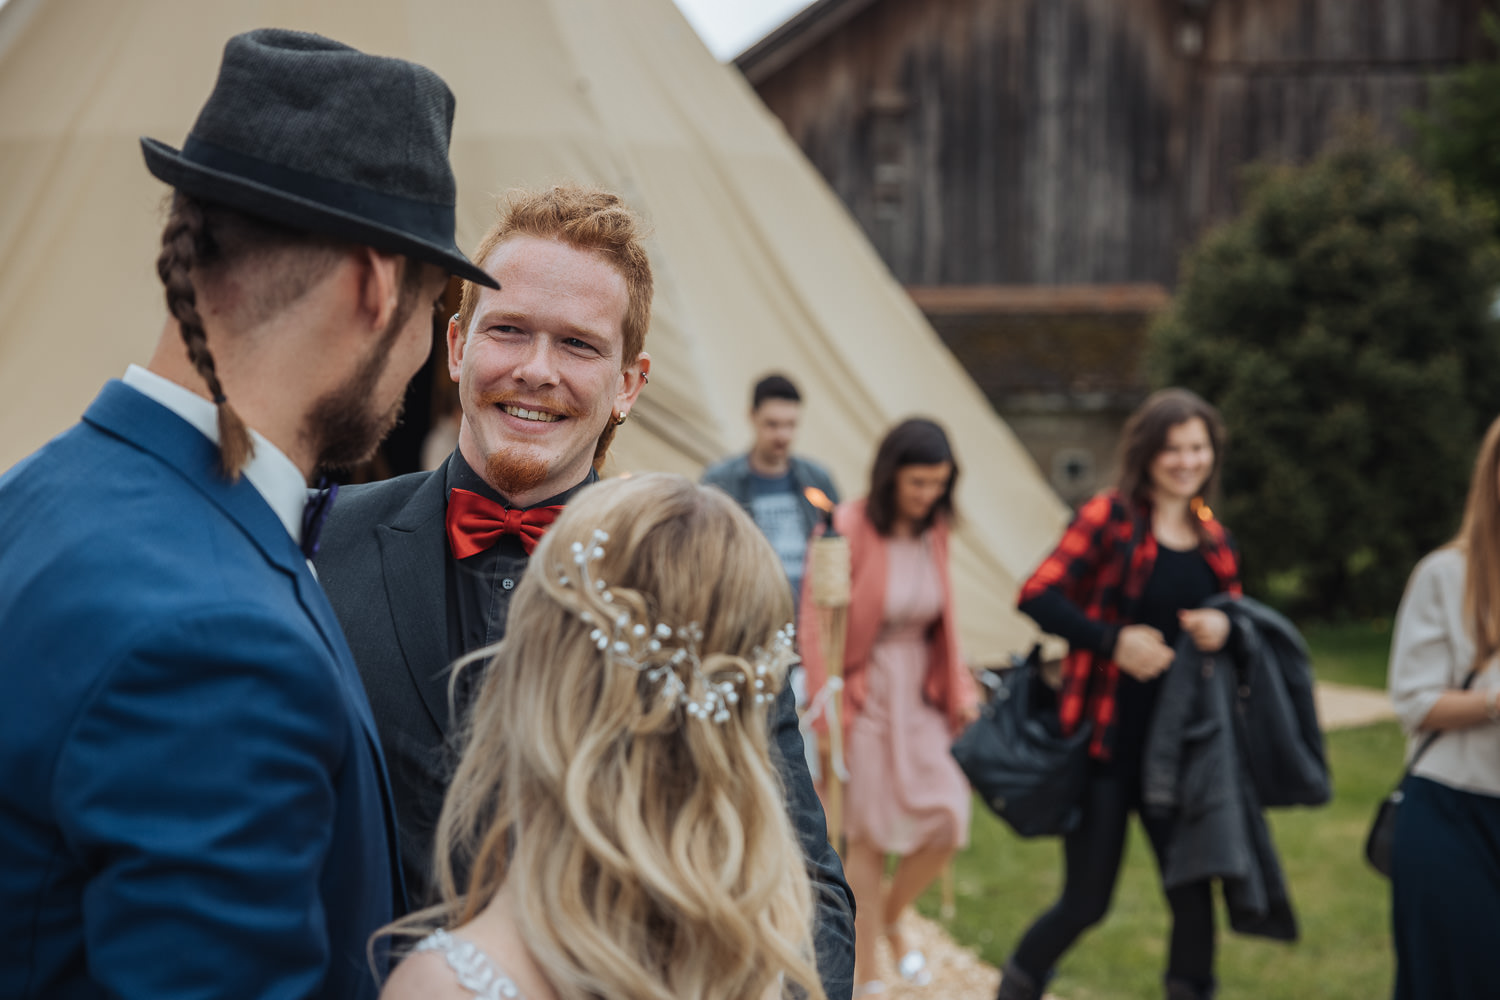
420 569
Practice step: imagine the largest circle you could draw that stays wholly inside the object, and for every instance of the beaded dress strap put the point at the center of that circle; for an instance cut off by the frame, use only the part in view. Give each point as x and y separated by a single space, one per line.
472 967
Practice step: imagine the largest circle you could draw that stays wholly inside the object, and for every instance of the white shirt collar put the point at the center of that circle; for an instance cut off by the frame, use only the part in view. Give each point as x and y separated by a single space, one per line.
274 475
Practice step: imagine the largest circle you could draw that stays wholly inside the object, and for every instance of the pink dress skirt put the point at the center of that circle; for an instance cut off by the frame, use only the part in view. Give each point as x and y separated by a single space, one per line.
905 790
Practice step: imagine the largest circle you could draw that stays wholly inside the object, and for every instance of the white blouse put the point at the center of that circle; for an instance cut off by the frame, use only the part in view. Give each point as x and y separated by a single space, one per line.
1432 652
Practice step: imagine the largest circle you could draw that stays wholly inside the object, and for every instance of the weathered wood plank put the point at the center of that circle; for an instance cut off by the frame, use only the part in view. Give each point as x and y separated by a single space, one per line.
1083 141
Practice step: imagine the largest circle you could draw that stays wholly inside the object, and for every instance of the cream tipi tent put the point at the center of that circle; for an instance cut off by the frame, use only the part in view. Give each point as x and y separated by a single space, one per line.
759 267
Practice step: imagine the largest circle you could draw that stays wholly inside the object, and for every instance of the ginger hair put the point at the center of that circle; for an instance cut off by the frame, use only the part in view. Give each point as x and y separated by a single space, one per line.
649 853
586 218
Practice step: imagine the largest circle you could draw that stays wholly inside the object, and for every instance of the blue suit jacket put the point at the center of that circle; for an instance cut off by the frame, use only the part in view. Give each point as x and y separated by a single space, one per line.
193 802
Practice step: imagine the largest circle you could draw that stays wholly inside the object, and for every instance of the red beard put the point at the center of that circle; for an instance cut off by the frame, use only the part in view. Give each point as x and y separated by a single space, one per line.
514 474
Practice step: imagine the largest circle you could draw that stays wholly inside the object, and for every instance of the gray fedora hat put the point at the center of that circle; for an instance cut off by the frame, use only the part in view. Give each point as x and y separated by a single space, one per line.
323 138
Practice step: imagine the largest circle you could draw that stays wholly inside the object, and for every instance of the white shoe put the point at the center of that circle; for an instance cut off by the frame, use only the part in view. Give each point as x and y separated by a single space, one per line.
913 968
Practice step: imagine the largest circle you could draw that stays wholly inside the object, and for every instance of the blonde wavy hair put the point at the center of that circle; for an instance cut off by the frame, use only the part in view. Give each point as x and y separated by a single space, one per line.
649 853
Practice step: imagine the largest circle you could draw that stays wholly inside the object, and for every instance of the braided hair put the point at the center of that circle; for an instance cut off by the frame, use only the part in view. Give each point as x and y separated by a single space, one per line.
186 243
200 241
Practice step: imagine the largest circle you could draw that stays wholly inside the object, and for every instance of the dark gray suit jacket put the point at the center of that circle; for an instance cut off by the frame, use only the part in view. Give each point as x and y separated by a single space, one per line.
383 562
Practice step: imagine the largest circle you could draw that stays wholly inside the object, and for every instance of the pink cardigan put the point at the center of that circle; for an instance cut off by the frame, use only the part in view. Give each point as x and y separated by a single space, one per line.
949 686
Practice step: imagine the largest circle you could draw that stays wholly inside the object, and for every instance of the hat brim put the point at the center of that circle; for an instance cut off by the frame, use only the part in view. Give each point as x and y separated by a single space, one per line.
169 166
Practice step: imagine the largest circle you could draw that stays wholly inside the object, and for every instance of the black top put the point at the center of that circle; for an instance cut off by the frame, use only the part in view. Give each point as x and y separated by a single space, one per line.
1178 581
480 587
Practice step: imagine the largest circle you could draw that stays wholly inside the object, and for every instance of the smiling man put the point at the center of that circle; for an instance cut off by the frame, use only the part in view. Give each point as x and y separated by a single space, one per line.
420 569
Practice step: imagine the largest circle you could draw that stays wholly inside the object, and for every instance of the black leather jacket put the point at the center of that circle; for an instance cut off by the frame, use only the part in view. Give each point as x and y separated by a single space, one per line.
1235 732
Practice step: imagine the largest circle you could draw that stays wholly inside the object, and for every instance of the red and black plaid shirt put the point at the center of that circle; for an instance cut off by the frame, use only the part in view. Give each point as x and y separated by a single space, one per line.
1087 568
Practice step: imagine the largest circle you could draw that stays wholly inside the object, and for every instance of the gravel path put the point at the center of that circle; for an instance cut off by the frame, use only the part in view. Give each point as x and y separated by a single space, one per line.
1341 706
956 972
959 974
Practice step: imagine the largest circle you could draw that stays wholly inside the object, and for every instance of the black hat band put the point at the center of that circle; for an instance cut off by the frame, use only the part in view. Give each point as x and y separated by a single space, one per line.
433 223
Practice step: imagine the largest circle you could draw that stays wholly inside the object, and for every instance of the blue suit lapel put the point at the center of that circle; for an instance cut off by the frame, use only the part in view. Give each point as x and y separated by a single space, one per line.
142 422
145 424
315 601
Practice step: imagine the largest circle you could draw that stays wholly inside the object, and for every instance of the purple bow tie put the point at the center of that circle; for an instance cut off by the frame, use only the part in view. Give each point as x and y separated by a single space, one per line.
315 513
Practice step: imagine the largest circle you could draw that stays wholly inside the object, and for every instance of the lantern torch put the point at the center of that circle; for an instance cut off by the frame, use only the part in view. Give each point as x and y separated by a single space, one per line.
830 593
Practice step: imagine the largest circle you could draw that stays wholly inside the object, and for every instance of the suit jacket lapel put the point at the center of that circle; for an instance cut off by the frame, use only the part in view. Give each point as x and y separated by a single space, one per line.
413 558
146 424
315 601
151 427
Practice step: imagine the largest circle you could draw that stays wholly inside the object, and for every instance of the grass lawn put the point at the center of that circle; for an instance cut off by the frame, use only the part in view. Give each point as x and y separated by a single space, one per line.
1350 654
1342 905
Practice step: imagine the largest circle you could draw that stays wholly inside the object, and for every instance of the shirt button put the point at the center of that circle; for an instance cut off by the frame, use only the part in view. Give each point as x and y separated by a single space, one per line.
507 583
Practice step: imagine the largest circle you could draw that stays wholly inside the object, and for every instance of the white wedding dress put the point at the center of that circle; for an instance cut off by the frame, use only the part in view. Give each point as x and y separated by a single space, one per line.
472 967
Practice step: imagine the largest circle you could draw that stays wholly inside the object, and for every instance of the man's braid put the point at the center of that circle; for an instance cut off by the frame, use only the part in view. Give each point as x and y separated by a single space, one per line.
186 243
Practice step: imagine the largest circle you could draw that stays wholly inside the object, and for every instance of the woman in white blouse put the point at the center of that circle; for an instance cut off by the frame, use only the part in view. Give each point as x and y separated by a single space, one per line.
1446 852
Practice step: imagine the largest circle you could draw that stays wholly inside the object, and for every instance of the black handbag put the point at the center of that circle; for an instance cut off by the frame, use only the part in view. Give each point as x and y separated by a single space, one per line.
1017 759
1379 841
1382 832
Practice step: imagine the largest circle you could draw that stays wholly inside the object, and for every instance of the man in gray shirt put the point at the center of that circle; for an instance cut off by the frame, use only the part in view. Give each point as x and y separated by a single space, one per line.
769 481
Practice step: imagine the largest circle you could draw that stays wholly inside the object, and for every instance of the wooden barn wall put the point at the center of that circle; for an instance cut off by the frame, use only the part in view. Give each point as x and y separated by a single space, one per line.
1089 141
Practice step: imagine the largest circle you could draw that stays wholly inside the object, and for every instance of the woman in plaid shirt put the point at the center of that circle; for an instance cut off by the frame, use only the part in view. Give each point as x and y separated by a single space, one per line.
1129 576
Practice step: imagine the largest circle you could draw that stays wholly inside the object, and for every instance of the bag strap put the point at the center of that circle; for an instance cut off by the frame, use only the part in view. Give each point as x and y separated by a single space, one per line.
1432 737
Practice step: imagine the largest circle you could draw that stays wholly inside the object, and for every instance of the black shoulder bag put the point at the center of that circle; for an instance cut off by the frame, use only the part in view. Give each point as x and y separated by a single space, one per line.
1017 759
1016 756
1383 830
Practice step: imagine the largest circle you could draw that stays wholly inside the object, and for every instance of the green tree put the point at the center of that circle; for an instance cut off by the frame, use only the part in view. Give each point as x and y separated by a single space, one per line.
1342 325
1459 135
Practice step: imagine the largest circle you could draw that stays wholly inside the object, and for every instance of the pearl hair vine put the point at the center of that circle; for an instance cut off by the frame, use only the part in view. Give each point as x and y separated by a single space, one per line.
660 651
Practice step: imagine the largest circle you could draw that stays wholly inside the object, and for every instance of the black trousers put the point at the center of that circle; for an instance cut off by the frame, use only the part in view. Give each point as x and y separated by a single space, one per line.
1092 854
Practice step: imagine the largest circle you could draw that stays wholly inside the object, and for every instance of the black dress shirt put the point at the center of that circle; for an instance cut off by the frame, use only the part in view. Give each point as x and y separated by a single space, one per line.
480 586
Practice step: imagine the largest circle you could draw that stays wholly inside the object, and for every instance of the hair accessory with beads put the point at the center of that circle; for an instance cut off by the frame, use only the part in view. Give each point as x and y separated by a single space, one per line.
659 651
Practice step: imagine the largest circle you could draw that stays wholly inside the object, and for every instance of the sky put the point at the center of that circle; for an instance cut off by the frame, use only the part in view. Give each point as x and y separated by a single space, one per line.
732 26
729 27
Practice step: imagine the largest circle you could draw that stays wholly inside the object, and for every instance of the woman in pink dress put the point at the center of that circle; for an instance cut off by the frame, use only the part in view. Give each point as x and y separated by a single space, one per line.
907 693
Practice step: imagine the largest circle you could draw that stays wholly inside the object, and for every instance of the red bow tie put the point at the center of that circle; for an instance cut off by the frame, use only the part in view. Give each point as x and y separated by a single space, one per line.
476 523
